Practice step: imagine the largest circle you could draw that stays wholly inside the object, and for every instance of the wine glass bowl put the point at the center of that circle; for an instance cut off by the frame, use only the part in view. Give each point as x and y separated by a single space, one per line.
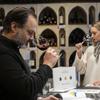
87 39
41 43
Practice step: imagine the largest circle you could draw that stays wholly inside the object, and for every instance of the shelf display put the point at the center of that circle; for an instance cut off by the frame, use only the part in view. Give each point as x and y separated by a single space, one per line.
62 27
48 17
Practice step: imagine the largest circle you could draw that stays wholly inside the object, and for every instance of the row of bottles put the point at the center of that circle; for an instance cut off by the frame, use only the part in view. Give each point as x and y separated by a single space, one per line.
76 16
62 41
49 17
31 46
46 20
50 38
50 42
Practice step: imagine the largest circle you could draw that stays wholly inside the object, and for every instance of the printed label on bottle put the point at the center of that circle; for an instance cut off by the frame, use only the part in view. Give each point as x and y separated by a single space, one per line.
61 19
62 41
31 63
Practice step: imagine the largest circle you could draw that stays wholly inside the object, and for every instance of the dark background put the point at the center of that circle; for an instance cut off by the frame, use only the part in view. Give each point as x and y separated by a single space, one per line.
43 1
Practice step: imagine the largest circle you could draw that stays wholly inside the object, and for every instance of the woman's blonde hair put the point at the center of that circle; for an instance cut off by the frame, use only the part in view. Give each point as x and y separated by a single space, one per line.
97 25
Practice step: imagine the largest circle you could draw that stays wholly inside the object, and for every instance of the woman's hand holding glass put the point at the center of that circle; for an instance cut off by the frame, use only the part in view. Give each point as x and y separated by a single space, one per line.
79 49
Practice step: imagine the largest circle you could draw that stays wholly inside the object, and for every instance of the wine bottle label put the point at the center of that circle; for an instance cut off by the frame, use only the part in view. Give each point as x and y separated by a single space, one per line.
62 41
61 20
31 63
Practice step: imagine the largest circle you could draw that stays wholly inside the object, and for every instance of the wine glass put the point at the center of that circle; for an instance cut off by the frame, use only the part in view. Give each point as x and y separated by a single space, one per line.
41 42
87 39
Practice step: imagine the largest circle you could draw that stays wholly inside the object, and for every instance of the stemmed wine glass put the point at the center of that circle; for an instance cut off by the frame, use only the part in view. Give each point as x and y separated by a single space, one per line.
41 42
87 39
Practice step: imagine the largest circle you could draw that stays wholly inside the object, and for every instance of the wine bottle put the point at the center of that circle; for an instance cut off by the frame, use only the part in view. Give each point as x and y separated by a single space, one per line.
30 43
32 61
61 18
62 39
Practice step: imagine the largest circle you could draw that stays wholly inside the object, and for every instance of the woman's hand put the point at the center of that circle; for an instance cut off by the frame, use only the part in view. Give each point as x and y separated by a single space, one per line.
96 83
79 49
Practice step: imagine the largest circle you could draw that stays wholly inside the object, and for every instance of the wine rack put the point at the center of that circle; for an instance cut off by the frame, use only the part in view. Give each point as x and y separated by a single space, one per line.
47 17
62 24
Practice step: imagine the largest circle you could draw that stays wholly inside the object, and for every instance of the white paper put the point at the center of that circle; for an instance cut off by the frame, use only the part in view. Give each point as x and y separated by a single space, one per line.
92 91
74 95
64 78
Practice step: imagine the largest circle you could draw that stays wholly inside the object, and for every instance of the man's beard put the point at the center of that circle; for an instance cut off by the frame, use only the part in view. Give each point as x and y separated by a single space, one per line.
97 51
18 40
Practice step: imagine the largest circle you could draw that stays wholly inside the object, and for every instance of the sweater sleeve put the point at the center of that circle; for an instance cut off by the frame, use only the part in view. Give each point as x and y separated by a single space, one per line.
41 76
81 64
16 83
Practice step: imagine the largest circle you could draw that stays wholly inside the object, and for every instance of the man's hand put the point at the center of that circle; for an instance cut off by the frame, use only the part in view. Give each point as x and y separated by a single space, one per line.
51 57
51 97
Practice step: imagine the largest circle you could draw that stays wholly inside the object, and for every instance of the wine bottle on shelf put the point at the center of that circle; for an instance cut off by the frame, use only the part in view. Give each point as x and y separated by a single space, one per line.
61 18
32 61
30 43
62 39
